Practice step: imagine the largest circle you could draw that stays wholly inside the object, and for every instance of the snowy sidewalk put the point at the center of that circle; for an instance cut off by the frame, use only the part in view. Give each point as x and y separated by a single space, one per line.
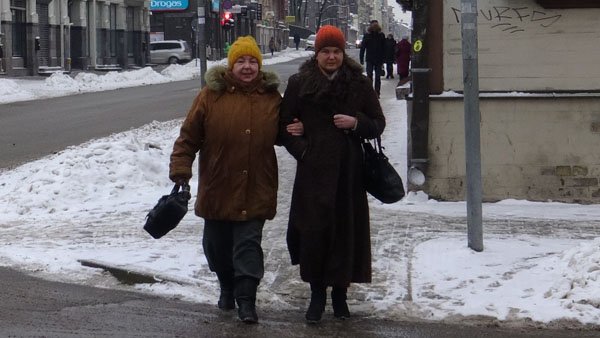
540 260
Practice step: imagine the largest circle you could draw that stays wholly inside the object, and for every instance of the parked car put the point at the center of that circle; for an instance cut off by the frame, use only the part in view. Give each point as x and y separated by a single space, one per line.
170 51
310 42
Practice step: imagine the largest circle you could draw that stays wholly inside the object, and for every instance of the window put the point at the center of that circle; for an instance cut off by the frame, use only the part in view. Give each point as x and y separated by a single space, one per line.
19 32
130 19
113 29
165 45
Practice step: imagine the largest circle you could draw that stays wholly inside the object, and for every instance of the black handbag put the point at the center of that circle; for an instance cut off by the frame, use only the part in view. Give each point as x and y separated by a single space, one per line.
381 179
168 212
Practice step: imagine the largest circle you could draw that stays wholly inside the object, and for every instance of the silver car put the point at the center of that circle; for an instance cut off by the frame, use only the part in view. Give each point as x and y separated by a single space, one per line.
170 51
310 42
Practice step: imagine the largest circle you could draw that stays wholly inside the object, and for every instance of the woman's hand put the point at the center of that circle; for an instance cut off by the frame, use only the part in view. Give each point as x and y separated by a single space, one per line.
296 128
345 121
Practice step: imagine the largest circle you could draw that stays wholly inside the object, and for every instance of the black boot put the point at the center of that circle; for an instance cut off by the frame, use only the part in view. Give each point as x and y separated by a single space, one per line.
318 297
245 296
226 299
338 302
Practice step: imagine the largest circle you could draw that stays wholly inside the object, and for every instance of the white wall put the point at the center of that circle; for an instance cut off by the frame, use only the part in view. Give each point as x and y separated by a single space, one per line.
524 47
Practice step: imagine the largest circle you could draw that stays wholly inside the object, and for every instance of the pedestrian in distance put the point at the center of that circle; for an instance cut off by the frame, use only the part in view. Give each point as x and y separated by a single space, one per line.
233 123
390 56
297 40
372 50
328 231
272 45
403 51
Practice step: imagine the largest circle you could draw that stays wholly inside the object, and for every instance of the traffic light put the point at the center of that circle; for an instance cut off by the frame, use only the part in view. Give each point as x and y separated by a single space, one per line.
227 20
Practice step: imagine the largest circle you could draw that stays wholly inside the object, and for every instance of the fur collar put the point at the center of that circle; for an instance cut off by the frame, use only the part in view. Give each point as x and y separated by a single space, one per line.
316 86
216 79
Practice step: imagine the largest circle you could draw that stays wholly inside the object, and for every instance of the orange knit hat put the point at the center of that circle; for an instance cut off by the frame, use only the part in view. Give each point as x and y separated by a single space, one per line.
329 36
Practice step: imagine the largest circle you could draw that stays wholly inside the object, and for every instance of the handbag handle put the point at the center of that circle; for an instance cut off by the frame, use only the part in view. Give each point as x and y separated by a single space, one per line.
378 147
184 188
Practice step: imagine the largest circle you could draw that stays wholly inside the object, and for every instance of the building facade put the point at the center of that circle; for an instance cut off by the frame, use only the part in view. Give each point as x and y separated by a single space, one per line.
262 19
38 36
539 89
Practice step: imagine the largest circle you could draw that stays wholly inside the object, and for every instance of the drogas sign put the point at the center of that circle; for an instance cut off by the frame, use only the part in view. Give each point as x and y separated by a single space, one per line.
168 5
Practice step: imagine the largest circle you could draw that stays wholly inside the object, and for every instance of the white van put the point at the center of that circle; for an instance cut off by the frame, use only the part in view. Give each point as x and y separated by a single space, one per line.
170 51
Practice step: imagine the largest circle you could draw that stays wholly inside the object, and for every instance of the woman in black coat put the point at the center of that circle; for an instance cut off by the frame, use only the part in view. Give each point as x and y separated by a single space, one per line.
328 231
390 56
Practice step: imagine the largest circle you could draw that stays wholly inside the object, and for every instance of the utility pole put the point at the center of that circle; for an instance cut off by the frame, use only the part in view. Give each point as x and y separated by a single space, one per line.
201 39
472 123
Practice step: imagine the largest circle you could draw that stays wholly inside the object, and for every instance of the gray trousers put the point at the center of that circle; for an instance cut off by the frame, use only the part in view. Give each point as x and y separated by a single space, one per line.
233 248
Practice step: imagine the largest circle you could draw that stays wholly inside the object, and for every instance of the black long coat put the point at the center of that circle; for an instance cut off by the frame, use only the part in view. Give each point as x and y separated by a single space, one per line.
390 50
328 231
373 45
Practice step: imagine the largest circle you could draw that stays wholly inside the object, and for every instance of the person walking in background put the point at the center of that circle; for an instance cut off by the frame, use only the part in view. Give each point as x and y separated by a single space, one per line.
373 45
328 232
272 45
390 56
297 40
233 123
403 51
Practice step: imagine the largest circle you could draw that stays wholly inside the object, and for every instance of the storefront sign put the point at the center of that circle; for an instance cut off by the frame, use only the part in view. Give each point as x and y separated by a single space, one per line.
168 5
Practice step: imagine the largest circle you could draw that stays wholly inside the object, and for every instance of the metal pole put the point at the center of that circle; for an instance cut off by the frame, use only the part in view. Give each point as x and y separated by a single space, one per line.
92 29
62 35
472 123
201 32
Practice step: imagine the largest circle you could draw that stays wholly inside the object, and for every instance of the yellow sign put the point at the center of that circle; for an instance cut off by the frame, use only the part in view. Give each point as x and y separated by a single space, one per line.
290 19
418 46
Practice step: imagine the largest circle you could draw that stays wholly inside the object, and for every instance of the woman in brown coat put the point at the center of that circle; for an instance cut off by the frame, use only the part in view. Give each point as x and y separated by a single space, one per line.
328 230
233 123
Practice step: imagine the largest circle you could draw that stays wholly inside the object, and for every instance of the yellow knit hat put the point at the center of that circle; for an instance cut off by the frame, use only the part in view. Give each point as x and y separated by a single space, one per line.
244 45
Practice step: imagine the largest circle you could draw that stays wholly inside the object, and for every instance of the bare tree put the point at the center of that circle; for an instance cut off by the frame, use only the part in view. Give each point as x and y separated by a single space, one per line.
323 5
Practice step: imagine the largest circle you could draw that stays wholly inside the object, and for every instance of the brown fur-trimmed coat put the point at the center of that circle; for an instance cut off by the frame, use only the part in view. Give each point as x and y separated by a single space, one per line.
234 127
328 231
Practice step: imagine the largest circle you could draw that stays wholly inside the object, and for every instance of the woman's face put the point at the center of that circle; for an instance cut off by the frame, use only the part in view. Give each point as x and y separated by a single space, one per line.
330 59
245 68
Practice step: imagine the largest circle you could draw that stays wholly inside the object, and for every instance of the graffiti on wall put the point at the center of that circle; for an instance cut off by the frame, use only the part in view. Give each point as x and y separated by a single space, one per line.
512 19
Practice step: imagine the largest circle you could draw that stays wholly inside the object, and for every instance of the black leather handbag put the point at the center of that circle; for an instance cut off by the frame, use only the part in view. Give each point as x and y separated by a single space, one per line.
168 212
381 179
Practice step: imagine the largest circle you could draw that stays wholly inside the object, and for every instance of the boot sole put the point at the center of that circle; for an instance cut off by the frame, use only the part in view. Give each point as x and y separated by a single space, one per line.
249 320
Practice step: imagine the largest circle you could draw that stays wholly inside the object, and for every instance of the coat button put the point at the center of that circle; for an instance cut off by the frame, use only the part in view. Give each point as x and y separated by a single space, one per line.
247 131
245 172
244 212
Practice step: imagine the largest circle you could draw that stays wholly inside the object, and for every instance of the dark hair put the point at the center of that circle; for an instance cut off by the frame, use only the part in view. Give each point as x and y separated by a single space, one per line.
374 21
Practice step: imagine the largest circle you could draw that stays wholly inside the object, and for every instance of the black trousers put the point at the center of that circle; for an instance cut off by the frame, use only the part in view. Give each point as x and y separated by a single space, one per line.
389 70
377 68
233 248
